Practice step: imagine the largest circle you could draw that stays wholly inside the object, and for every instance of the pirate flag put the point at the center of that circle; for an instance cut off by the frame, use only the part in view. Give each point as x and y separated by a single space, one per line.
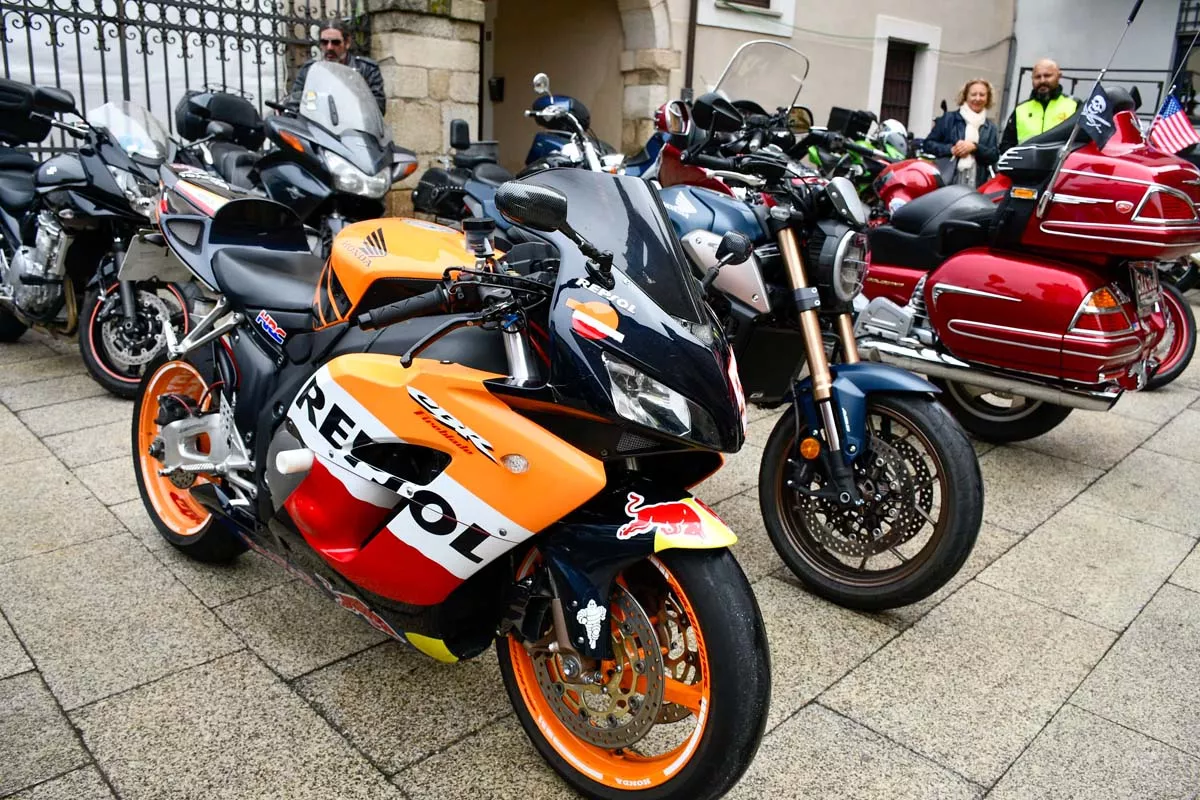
1096 117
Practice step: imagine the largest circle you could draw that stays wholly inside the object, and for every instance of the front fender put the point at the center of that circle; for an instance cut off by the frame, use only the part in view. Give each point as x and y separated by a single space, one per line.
621 526
852 384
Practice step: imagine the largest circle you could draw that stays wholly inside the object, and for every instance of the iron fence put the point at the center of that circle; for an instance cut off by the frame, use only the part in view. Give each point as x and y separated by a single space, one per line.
150 52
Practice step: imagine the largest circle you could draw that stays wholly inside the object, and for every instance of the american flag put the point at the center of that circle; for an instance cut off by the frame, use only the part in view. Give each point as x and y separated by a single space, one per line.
1171 130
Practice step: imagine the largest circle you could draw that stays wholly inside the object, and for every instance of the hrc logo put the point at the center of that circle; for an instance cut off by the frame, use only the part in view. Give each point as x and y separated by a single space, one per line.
272 328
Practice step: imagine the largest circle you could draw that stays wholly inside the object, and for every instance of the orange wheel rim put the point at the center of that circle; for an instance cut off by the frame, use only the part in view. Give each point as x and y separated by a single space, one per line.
623 769
176 507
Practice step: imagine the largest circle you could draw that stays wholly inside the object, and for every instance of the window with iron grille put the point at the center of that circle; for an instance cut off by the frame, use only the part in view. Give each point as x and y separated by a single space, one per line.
1189 17
898 81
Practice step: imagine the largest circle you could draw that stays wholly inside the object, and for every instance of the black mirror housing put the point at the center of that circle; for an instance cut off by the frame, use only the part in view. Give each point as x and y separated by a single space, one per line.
530 206
460 134
735 248
713 112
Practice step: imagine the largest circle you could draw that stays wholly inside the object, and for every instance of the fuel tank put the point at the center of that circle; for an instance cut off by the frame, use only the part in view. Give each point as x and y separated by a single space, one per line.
1034 315
1128 201
400 256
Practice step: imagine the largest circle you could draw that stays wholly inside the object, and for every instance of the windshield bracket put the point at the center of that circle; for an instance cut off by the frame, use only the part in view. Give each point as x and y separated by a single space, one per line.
599 265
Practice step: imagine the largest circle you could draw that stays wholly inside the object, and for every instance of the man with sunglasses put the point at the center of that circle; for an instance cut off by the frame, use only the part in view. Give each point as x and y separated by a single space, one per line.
335 46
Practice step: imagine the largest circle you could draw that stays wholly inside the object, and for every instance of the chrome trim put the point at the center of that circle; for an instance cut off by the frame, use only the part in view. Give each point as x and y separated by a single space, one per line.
1006 342
951 288
1195 244
1077 200
1119 225
1160 189
1118 178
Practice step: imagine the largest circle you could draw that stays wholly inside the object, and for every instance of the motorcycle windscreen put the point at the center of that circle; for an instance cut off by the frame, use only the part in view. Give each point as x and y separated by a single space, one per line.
338 99
768 73
653 324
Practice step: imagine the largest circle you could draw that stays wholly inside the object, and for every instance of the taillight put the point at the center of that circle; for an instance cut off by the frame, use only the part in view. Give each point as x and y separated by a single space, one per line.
1165 205
1103 312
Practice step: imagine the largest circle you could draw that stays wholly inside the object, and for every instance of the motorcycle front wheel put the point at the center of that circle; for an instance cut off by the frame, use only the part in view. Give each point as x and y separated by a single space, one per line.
11 328
1178 344
923 493
117 351
680 711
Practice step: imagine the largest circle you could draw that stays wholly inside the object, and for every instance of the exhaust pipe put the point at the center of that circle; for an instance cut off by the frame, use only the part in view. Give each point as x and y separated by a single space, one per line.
937 365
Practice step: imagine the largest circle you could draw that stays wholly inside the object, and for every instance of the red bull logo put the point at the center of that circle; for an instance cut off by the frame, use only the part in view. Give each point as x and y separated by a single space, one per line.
673 518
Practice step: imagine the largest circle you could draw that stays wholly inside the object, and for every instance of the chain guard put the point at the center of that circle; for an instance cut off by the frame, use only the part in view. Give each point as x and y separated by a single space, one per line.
894 481
611 713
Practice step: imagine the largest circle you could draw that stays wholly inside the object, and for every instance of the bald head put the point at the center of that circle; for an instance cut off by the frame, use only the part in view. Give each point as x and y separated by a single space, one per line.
1046 75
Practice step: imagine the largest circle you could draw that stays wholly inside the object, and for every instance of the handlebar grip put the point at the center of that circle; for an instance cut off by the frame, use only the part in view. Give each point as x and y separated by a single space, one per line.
713 162
420 306
855 147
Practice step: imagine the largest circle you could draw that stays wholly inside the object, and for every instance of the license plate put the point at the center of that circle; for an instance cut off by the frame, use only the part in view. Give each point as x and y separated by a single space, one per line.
1146 291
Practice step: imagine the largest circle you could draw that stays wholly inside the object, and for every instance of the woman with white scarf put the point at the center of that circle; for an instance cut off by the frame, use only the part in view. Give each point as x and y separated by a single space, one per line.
965 140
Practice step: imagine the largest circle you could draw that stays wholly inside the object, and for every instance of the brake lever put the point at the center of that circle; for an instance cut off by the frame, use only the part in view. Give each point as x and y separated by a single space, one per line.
449 324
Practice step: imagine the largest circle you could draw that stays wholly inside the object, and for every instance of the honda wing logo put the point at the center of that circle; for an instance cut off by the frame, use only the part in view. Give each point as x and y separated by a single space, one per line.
444 417
374 246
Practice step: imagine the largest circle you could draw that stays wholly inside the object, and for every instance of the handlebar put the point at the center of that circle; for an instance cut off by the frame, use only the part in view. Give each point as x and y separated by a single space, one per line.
712 162
422 305
280 107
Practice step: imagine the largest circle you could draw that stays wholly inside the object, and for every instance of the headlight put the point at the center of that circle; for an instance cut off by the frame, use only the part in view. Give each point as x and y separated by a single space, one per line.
352 180
641 399
141 193
849 266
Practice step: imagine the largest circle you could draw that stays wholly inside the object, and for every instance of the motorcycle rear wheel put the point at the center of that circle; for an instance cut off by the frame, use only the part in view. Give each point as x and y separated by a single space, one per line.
716 686
180 519
985 416
1184 273
1179 343
919 473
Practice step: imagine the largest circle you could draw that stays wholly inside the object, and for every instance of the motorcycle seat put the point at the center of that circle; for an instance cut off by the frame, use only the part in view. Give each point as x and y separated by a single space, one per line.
478 153
11 159
16 190
234 163
492 174
925 215
279 280
915 237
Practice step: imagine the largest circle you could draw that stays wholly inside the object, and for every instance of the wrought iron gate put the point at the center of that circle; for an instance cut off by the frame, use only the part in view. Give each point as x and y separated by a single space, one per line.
150 51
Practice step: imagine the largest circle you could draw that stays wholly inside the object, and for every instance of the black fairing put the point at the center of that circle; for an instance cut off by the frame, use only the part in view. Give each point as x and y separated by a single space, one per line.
664 327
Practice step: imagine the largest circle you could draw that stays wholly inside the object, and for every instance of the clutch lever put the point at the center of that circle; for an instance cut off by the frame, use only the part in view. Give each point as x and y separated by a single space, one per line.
749 180
449 324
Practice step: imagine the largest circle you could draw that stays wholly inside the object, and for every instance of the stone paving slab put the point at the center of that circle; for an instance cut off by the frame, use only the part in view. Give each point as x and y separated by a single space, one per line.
41 369
739 474
75 415
225 730
295 629
25 350
112 481
12 656
90 445
813 643
218 584
973 682
399 706
18 443
1158 406
1092 565
1180 437
103 617
1082 755
81 784
1150 679
753 550
44 507
35 738
842 759
1093 438
1022 489
1188 574
36 394
1153 488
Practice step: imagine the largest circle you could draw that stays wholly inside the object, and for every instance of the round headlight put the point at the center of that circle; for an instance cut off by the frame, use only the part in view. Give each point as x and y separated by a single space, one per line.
850 266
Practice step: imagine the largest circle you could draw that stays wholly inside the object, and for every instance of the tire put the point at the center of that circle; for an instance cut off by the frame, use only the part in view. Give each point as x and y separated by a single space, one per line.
1184 273
991 421
110 370
180 519
11 328
1177 351
733 676
815 538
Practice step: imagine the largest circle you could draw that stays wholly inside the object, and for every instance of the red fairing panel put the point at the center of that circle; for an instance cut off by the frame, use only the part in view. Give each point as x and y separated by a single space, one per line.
894 283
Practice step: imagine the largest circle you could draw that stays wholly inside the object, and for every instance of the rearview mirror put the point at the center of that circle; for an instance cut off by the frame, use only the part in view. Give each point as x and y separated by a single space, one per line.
735 248
219 130
529 206
713 112
677 118
800 120
541 83
48 99
460 134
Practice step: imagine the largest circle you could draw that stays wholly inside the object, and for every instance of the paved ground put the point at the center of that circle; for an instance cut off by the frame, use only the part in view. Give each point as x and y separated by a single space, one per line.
1063 662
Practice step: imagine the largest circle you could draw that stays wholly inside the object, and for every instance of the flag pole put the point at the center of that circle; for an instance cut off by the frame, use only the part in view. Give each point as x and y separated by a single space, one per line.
1047 195
1174 80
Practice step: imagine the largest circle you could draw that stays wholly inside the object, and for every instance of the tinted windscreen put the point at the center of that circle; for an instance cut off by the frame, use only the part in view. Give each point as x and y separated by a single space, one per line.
624 216
338 99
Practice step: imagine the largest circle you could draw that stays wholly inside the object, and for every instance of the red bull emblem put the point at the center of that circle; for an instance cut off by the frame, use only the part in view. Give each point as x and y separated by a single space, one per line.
673 518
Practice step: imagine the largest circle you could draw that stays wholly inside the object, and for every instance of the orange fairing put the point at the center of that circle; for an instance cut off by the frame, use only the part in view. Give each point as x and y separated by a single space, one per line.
442 532
376 249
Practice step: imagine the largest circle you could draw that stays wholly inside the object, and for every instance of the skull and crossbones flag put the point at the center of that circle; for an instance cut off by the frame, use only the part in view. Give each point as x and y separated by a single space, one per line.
1096 117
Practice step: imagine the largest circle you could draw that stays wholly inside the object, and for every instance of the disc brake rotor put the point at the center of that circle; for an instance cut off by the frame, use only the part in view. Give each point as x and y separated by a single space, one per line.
623 702
126 352
895 482
681 659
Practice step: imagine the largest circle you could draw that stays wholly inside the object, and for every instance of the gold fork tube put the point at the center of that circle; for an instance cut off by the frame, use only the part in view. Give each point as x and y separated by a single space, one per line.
810 324
849 343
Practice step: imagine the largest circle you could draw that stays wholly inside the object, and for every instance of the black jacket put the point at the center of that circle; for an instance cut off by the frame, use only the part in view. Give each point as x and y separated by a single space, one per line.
951 128
365 66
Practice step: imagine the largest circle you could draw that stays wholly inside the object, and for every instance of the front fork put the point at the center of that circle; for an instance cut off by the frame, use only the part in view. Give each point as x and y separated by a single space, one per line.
807 303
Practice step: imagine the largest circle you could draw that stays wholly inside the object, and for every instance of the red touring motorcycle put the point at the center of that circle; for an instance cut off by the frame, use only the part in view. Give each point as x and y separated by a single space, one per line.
1029 308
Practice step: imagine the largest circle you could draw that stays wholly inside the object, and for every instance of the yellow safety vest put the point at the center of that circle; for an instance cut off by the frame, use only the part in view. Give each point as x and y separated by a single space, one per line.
1033 118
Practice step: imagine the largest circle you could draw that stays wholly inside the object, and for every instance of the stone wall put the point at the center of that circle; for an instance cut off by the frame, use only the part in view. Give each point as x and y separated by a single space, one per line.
428 52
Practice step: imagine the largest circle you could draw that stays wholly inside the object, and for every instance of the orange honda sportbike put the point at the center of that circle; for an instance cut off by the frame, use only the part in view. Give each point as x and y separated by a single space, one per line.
463 448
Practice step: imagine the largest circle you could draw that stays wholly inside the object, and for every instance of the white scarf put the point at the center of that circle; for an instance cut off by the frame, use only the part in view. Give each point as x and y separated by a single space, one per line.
975 120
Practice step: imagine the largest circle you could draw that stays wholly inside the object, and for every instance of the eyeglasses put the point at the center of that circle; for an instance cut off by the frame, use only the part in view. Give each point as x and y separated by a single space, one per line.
331 42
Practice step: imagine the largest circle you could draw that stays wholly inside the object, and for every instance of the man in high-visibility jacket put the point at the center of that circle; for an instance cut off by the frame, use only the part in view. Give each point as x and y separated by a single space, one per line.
1046 107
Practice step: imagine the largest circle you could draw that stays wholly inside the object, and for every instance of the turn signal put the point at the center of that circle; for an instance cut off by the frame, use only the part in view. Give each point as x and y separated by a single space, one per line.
409 169
1102 300
810 448
292 140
